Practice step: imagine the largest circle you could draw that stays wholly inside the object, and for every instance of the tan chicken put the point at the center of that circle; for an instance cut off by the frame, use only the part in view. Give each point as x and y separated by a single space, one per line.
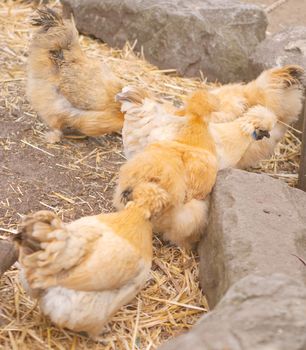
84 271
277 89
281 91
64 86
149 121
233 139
185 168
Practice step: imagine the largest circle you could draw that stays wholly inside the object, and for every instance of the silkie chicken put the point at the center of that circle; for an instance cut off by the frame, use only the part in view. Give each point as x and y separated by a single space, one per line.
64 86
150 122
276 92
84 271
185 168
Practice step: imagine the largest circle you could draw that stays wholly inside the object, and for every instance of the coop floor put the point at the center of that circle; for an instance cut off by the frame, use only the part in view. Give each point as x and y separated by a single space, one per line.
77 178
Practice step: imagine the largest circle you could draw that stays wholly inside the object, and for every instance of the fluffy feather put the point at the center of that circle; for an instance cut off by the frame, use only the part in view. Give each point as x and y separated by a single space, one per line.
278 90
233 139
185 167
64 86
84 271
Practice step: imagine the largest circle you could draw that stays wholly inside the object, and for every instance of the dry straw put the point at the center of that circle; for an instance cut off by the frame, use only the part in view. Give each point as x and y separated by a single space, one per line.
172 301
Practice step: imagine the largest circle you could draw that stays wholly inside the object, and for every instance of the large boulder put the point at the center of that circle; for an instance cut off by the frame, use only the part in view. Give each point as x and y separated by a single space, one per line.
252 267
214 36
257 225
257 313
285 47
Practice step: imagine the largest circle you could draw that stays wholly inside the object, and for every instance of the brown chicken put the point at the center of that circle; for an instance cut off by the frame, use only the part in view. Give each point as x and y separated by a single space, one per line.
65 87
185 168
84 271
277 91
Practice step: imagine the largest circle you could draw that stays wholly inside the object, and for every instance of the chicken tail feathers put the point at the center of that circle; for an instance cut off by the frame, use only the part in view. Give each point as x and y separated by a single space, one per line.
278 78
280 89
149 196
96 123
35 229
288 75
47 248
46 18
54 32
132 94
201 104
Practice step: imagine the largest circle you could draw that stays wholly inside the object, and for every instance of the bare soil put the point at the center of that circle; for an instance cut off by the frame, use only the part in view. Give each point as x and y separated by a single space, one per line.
75 177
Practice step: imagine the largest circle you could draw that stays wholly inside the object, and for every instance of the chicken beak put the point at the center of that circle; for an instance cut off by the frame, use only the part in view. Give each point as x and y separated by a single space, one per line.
260 134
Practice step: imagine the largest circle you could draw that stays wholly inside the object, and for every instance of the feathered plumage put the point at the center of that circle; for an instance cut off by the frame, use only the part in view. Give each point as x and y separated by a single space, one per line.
185 167
64 86
84 271
276 91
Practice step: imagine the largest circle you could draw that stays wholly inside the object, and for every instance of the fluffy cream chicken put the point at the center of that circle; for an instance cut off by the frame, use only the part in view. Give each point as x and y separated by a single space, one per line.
185 168
84 271
64 86
278 89
151 122
276 92
233 139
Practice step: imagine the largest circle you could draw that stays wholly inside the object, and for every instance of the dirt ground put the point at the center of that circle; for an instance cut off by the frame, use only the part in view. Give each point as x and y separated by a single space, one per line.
75 178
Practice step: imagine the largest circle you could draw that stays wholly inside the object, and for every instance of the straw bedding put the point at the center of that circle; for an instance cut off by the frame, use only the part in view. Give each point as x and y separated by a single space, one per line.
84 173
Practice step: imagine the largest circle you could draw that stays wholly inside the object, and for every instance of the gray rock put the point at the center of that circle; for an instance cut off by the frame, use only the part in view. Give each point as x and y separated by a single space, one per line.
215 36
285 47
247 268
8 255
256 224
257 313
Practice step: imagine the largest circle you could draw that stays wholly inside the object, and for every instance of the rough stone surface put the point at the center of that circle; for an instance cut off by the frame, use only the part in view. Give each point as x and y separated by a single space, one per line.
257 313
285 47
215 36
256 224
8 255
282 13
